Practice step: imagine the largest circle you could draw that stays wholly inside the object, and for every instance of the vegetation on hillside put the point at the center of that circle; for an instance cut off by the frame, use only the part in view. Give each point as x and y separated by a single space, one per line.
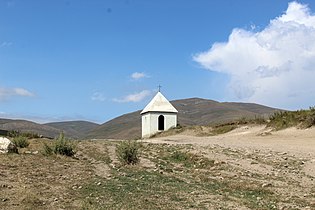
285 119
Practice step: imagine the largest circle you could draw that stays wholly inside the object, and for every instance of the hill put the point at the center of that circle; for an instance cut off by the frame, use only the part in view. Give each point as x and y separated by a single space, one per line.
28 126
74 129
193 111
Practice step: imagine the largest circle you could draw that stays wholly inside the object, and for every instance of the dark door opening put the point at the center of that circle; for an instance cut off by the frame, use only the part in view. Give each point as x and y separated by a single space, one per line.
161 123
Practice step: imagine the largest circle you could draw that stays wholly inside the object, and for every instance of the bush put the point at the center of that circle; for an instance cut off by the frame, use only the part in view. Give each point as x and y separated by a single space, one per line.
21 141
61 146
47 150
128 152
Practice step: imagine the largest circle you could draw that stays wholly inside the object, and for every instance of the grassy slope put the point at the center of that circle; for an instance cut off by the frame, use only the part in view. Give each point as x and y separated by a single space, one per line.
27 126
75 129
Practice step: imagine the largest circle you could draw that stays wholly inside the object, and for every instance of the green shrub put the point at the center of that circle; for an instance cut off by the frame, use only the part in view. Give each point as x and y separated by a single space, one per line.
21 141
47 150
128 152
61 146
179 156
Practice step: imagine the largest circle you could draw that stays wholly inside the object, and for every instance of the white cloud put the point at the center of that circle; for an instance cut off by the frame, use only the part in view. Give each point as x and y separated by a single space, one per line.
136 97
138 75
275 66
22 92
97 96
5 44
6 93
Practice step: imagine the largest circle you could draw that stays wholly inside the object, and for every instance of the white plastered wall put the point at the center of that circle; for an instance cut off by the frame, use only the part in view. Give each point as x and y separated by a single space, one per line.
150 122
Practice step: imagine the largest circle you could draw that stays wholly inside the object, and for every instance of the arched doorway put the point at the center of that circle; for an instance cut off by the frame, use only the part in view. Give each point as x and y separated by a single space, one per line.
161 123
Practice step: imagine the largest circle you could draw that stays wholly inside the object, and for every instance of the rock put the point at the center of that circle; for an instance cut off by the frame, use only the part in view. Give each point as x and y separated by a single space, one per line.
266 185
216 162
6 146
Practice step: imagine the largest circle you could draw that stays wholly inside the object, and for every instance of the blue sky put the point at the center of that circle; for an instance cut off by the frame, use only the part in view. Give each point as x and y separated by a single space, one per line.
98 59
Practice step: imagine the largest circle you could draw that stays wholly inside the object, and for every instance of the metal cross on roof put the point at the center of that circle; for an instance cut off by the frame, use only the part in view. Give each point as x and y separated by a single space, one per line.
159 88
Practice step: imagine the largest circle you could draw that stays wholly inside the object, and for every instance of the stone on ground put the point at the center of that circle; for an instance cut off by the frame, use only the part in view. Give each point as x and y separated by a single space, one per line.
6 146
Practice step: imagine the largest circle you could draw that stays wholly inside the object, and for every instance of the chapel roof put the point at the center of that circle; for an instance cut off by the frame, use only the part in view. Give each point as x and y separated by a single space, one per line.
159 104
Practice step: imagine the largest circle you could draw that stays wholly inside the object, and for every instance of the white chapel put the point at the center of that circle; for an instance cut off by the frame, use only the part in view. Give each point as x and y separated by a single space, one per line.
158 115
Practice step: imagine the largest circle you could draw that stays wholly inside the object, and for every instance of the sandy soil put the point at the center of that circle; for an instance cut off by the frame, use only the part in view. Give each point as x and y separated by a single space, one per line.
292 140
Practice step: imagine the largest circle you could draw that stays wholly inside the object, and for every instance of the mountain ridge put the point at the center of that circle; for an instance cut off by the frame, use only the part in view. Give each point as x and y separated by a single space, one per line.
191 111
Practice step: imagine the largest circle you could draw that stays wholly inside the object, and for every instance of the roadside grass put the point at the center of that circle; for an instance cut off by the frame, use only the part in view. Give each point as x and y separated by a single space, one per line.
285 119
